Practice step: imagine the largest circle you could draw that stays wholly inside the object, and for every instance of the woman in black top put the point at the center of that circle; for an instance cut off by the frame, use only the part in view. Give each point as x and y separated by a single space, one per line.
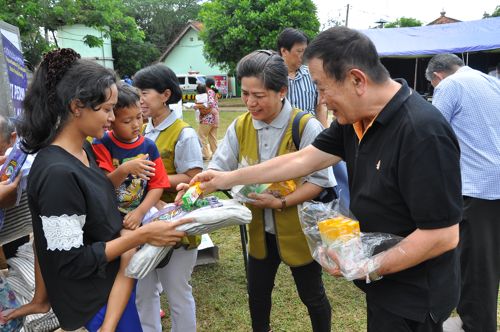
76 222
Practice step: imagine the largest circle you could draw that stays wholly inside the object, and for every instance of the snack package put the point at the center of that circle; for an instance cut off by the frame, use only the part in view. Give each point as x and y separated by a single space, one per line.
8 302
10 169
191 195
240 193
283 188
331 233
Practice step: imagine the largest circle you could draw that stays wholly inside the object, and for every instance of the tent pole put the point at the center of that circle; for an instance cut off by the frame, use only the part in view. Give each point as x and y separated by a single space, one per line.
467 61
415 78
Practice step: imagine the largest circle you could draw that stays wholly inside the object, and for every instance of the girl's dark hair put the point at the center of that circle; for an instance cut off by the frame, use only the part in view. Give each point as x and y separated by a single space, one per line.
210 83
127 96
201 88
267 66
160 78
60 78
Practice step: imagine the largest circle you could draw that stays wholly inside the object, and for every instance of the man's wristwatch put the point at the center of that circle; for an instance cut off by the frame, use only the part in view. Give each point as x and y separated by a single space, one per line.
283 204
372 273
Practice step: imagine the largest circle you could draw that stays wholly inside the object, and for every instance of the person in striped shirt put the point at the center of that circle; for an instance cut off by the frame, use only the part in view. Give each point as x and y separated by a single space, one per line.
302 92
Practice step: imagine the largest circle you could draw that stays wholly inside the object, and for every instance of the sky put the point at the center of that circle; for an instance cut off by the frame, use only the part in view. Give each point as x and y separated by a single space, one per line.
364 13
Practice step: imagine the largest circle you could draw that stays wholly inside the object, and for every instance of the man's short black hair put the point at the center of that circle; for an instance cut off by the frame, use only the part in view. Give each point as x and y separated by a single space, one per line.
290 37
342 49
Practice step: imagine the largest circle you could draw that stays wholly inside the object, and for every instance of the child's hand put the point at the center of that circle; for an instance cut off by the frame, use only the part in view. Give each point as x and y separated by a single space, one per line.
140 167
133 219
181 190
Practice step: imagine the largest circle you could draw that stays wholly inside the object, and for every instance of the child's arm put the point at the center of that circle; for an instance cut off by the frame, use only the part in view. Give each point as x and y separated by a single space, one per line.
120 293
134 218
140 167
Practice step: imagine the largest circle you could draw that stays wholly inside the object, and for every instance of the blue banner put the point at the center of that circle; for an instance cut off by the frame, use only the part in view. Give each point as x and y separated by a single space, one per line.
16 71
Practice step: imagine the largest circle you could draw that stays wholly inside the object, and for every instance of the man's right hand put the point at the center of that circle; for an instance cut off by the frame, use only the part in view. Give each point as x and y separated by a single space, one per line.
212 181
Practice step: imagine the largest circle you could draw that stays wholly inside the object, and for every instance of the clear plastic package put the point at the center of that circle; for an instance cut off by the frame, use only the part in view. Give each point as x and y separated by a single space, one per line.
213 215
331 234
240 192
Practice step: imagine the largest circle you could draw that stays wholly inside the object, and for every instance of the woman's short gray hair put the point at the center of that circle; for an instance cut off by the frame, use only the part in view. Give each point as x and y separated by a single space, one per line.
265 65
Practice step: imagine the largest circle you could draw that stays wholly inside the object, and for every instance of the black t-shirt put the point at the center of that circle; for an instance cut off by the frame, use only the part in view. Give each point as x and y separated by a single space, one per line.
74 212
404 175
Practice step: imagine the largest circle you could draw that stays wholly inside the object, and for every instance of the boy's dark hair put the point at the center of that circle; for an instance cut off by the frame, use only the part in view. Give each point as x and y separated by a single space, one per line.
289 37
342 49
61 78
201 88
127 96
265 65
160 78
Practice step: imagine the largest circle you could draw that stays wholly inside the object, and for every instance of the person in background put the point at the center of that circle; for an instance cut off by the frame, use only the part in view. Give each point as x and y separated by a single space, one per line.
302 94
76 224
469 100
275 235
209 122
180 151
201 98
201 104
397 147
127 80
8 190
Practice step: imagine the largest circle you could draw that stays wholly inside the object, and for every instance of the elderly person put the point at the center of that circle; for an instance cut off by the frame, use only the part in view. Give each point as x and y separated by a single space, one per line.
397 148
468 99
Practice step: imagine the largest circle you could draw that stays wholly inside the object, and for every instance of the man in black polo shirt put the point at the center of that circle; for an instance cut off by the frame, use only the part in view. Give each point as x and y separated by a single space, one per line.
404 178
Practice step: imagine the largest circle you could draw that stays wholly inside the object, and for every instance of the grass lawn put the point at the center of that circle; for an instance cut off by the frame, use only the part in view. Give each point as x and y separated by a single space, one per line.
220 289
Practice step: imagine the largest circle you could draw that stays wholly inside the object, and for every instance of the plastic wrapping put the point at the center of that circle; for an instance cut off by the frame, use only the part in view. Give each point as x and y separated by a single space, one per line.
215 215
278 189
331 234
240 193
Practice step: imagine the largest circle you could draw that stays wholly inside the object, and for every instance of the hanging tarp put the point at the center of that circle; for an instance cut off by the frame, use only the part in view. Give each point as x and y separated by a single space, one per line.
461 37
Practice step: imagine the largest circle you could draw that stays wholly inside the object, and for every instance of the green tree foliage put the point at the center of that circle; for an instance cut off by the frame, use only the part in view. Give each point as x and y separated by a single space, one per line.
234 28
134 56
26 15
495 13
404 22
162 20
39 19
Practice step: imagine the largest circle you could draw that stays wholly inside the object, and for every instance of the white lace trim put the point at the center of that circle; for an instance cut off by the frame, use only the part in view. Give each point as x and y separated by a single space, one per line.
63 232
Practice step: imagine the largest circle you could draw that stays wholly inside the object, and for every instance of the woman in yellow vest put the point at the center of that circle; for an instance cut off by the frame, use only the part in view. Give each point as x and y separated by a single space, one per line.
275 233
180 150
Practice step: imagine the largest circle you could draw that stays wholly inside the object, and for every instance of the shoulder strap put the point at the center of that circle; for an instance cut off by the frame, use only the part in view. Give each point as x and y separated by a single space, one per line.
296 134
